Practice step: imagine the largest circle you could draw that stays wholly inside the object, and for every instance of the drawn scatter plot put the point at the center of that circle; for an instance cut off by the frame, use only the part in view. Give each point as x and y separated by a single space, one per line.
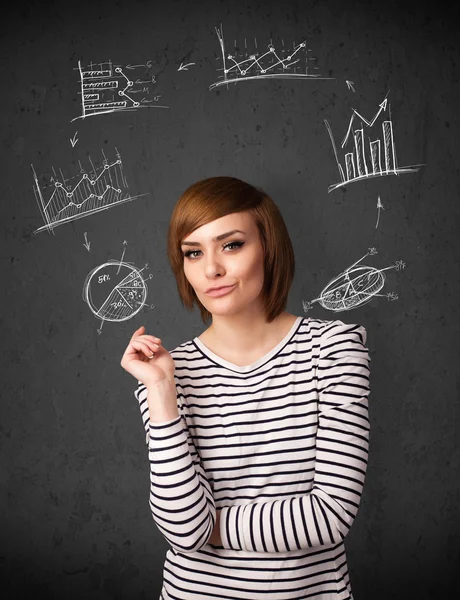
251 60
106 88
371 148
64 199
356 286
115 291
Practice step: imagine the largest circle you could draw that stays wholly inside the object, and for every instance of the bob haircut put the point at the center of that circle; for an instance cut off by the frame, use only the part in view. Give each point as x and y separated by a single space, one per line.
216 197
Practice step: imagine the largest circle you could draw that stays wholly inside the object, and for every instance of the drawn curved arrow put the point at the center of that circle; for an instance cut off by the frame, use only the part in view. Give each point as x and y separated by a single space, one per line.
184 67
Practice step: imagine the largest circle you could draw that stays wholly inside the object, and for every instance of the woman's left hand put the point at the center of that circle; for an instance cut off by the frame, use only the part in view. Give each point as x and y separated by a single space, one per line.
215 535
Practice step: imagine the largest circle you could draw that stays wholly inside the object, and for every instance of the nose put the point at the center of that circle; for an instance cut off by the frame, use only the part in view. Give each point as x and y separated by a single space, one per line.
213 266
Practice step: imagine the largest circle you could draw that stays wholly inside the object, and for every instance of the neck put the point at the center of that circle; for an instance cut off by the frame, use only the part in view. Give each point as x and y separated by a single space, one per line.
244 332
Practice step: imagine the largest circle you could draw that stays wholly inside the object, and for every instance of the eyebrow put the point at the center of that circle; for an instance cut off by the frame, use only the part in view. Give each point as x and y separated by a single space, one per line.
215 239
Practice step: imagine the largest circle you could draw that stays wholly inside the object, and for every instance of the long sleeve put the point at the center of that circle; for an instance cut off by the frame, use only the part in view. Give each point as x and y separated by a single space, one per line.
324 515
181 499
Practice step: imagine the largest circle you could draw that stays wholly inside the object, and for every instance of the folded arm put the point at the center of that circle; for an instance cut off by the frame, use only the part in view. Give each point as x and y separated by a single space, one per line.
324 515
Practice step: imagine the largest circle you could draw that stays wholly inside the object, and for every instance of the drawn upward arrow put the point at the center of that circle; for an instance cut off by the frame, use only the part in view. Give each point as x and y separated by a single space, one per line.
379 206
382 106
125 243
86 244
184 67
73 140
350 84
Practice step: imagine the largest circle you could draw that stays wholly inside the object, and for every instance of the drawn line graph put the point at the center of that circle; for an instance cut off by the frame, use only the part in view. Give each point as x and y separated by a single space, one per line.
368 157
243 64
105 88
63 200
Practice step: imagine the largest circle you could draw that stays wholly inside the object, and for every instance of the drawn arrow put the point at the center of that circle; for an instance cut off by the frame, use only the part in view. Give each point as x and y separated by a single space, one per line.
350 84
184 67
73 140
382 106
86 244
379 206
125 243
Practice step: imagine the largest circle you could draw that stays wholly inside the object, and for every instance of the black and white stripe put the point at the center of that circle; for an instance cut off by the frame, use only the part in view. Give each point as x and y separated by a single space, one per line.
280 448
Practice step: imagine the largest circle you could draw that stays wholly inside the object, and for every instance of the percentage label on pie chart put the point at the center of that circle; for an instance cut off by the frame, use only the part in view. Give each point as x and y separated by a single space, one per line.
115 291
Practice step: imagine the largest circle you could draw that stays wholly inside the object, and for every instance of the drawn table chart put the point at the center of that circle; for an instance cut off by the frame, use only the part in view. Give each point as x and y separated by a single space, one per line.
107 88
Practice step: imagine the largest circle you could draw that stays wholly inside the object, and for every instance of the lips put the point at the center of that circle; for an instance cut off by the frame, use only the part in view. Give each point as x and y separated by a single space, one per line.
221 291
213 289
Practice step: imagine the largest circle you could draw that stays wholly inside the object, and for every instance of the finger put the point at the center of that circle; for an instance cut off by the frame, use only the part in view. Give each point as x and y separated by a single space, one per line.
138 332
150 346
150 343
154 339
142 347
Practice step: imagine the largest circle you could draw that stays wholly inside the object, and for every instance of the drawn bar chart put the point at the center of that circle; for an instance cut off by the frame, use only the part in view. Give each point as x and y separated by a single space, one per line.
63 200
369 154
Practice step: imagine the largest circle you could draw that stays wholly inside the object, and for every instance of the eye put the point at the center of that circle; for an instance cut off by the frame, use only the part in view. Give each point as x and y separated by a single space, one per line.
191 253
237 244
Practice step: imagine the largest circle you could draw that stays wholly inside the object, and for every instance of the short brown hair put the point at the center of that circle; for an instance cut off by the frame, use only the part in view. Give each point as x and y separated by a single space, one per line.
215 197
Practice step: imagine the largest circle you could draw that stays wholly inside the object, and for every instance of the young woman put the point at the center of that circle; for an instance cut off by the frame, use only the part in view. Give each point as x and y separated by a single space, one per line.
258 429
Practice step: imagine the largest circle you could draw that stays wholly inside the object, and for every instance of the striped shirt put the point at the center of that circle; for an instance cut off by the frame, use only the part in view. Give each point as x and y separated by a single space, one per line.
280 447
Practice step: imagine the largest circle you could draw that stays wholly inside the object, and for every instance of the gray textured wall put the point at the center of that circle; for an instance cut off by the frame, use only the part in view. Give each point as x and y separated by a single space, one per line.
75 520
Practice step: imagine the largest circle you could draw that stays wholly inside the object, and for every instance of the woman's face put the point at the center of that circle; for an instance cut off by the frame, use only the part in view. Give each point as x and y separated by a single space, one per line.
236 259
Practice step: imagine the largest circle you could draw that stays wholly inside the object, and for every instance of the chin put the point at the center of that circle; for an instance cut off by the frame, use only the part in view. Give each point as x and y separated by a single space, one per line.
222 311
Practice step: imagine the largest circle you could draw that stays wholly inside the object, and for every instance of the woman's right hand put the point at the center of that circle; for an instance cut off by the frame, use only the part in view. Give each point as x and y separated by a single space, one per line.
138 361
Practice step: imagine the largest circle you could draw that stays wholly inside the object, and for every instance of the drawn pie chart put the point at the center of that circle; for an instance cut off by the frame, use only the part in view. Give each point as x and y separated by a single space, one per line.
345 292
115 291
